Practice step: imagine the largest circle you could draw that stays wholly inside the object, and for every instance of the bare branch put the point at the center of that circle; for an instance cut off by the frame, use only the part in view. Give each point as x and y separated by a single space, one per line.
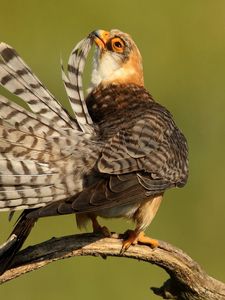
187 279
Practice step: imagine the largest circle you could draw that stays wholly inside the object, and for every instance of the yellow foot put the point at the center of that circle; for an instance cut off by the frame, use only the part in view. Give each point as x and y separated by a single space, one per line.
134 238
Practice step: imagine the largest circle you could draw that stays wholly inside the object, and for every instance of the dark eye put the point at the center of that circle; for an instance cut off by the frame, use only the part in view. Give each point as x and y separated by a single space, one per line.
118 45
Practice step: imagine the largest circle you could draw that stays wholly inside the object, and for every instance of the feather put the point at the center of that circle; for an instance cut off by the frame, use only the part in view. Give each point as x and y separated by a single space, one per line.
73 84
18 236
18 78
39 162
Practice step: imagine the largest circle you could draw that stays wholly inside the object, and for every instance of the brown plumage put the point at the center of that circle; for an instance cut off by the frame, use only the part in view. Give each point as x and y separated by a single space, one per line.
123 152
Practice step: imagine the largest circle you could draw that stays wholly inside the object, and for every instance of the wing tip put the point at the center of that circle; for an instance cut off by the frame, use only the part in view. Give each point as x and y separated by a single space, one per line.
4 45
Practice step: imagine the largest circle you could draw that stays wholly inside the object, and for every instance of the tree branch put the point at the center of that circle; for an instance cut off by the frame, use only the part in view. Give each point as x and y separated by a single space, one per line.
187 279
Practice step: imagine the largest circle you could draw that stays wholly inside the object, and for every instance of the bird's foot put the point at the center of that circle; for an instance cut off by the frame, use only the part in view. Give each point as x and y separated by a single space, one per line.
103 230
97 228
133 237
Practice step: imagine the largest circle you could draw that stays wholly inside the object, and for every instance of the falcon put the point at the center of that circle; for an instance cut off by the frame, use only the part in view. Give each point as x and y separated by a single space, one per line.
113 157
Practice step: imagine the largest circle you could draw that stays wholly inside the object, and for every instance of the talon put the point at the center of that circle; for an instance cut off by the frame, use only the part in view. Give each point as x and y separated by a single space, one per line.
134 238
130 239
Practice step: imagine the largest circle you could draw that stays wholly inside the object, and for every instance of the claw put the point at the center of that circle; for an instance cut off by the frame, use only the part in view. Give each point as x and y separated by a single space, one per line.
134 238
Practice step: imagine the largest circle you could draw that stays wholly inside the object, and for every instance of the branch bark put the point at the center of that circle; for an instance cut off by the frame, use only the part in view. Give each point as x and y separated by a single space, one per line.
187 279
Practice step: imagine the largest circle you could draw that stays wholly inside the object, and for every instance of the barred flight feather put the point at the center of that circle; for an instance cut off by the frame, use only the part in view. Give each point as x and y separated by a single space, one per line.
43 154
73 84
17 77
29 203
27 121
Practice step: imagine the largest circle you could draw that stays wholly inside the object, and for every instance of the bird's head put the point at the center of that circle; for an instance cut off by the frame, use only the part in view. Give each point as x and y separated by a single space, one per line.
117 59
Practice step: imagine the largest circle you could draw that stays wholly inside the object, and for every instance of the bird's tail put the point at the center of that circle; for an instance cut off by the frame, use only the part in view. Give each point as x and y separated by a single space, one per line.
21 231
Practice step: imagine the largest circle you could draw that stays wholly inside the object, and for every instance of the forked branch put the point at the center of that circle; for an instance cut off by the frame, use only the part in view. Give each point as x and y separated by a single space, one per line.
187 279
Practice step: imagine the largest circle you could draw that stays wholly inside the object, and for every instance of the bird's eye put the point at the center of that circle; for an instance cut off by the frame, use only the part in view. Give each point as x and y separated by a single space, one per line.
117 45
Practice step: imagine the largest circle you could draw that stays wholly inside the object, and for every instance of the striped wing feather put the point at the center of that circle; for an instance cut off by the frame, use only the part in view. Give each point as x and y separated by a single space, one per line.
25 178
18 78
73 84
42 154
150 148
39 163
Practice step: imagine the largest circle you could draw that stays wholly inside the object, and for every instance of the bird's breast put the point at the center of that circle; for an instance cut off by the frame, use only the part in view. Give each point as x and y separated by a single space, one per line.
117 105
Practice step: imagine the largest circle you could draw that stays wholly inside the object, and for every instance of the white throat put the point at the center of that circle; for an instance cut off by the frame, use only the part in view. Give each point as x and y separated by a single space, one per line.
107 67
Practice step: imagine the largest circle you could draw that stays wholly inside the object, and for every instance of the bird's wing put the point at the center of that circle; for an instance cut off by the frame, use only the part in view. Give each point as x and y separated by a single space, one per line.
39 162
18 78
73 84
144 160
42 154
154 148
108 192
139 161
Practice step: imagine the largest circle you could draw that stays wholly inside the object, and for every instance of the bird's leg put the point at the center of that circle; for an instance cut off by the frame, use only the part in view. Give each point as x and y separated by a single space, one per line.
136 236
97 228
143 217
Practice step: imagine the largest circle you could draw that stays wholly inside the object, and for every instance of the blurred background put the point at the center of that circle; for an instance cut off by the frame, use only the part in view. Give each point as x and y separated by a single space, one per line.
183 48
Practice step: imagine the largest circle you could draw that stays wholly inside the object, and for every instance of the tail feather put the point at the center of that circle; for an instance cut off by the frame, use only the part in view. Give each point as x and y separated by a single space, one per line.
21 232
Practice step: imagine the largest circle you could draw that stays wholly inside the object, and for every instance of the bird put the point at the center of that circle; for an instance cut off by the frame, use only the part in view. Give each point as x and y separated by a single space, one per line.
114 156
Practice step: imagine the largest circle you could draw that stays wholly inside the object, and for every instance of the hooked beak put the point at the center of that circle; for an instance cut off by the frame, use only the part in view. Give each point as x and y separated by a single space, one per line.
101 37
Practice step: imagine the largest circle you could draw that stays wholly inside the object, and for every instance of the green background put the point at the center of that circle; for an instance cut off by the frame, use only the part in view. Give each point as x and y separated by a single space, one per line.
183 48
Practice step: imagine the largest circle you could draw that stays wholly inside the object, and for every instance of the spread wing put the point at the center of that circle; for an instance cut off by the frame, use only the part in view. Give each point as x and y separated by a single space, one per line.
39 162
18 78
43 155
